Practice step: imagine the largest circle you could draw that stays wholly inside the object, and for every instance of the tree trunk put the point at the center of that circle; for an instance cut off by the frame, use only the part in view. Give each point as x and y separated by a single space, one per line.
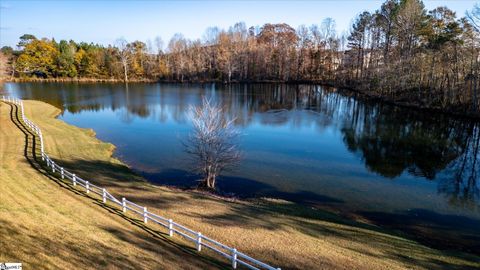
210 181
210 177
125 72
475 80
474 100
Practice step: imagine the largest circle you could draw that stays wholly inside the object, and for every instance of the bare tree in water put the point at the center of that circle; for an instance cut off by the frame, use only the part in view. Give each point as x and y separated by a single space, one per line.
213 142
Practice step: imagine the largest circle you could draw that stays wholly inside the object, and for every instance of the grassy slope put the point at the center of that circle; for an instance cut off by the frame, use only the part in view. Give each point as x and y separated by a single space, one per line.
281 233
45 225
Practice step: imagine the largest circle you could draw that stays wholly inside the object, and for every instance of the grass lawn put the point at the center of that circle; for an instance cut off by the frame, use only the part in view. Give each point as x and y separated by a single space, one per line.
45 223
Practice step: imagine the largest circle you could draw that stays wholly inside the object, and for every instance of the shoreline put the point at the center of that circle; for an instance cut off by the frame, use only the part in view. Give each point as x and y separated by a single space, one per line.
358 93
77 80
386 100
49 224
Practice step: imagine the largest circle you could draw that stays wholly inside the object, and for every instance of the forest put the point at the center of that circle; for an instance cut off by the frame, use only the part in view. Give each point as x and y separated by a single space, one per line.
401 53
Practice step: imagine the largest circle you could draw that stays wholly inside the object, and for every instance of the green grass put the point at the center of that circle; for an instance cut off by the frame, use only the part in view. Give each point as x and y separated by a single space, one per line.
280 233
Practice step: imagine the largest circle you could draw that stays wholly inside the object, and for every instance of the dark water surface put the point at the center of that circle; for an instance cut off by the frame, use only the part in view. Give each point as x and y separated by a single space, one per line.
406 169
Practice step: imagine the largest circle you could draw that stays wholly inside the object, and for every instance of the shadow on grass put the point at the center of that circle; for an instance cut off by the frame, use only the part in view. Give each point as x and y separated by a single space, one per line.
433 229
171 249
100 256
386 244
240 187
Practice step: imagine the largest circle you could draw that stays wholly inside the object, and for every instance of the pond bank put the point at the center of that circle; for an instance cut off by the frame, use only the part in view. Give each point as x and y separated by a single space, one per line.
79 80
47 224
289 235
367 95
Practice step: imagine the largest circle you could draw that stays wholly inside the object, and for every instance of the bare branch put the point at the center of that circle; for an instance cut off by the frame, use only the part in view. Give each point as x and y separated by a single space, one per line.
212 143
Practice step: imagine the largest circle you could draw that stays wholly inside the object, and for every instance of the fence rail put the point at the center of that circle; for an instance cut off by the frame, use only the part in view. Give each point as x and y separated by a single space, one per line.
235 257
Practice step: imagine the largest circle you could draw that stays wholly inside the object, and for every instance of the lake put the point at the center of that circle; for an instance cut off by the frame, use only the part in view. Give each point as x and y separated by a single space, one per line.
405 169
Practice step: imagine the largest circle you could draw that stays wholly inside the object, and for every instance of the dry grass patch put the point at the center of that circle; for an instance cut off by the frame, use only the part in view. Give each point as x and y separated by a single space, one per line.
47 225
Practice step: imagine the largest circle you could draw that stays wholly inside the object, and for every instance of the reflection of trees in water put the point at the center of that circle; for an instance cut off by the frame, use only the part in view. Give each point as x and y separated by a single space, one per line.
461 180
171 101
390 140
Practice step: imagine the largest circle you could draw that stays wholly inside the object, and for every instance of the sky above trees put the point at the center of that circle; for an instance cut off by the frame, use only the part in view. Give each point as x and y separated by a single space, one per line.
105 21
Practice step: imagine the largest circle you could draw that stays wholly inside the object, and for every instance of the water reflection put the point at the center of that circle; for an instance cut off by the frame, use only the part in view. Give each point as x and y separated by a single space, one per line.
390 141
460 182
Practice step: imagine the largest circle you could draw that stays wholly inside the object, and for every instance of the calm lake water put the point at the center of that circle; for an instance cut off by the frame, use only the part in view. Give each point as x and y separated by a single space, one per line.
405 169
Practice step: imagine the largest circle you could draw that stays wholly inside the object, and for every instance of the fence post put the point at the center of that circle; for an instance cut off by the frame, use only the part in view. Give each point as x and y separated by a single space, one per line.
53 166
23 114
87 186
145 214
234 258
104 195
41 143
74 179
62 173
199 242
170 227
124 205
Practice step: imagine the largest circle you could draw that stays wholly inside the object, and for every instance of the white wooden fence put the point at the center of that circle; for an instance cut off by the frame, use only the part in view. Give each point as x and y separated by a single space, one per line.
236 257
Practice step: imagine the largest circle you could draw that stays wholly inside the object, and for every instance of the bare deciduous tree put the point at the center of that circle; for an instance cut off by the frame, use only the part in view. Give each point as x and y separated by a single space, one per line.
474 17
124 56
212 144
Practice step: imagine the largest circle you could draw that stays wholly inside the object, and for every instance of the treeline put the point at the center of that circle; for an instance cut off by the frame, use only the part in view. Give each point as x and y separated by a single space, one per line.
401 52
405 53
45 58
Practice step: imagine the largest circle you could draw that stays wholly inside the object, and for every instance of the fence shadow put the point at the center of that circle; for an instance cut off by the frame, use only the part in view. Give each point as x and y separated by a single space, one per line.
30 152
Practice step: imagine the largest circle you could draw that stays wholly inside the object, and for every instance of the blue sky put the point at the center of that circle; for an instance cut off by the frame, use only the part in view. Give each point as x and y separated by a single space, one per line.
105 21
